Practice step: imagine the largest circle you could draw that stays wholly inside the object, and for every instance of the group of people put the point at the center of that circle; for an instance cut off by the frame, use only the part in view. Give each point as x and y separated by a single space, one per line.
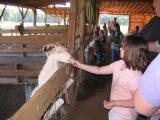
110 32
136 79
116 36
99 38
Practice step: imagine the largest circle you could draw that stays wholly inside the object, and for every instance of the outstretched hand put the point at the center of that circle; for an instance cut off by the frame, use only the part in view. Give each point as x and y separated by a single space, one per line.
74 62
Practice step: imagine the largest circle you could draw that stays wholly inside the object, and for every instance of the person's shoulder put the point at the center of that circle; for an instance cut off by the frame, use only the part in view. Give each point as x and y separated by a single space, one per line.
154 20
118 63
155 61
152 71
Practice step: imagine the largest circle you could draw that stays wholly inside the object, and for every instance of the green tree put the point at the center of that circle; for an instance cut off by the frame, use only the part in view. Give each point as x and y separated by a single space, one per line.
6 15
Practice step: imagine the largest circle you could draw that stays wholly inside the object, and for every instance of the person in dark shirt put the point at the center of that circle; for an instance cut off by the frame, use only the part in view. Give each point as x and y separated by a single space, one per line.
151 32
136 31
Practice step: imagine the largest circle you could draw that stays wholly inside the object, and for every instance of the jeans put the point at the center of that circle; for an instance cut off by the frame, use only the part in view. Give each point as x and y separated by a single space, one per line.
115 52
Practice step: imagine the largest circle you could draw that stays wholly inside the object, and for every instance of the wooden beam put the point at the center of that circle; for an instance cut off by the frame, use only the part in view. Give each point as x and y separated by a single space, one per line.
72 25
25 13
82 28
129 7
19 73
21 12
7 67
32 3
110 6
134 6
20 50
22 60
34 108
35 39
148 1
34 16
145 9
124 7
129 25
141 4
2 12
115 7
120 7
24 66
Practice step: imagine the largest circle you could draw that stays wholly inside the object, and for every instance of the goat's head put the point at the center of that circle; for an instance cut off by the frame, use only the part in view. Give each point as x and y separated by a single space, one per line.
58 51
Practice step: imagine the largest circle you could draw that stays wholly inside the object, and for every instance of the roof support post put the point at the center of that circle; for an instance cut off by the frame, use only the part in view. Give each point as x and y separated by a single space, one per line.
64 18
82 28
129 25
45 19
82 34
34 16
3 12
23 15
72 25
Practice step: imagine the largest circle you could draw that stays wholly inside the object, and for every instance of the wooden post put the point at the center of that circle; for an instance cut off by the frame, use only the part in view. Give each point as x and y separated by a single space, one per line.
23 15
64 18
72 25
2 12
82 29
34 17
129 25
45 19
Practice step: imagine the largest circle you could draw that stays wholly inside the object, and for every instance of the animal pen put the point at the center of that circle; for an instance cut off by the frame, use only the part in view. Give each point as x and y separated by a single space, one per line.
21 56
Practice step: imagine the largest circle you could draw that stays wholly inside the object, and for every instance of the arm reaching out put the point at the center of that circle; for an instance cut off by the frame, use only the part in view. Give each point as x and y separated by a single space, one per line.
120 103
94 69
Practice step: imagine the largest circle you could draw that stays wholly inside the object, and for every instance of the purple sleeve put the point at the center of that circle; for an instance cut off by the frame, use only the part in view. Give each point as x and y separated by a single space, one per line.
149 83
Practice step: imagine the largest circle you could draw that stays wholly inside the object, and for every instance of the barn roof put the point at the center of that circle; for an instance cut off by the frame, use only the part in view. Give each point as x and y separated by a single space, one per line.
64 12
105 6
126 7
32 3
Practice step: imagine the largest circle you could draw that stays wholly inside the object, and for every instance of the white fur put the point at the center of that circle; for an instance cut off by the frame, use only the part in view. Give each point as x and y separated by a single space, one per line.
87 55
59 53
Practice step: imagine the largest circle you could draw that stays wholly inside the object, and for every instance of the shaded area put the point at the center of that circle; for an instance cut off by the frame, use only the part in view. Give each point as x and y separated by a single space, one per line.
12 97
92 91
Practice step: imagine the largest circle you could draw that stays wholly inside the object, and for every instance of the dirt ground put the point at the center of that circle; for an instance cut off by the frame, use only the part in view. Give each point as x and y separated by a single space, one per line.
91 106
91 109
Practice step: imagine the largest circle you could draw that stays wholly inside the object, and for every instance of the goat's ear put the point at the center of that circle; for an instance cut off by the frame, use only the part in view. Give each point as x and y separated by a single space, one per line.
44 48
47 48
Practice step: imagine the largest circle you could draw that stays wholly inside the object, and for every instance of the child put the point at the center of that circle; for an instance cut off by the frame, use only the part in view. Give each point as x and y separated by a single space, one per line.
126 72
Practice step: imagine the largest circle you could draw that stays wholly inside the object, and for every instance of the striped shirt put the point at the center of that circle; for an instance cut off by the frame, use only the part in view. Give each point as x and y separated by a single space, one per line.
123 83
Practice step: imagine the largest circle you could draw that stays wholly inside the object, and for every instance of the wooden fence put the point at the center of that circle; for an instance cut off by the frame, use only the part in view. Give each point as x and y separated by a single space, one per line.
35 108
21 56
34 31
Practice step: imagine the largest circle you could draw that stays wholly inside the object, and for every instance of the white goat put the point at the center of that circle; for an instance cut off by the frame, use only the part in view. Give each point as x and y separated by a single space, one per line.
88 56
56 54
